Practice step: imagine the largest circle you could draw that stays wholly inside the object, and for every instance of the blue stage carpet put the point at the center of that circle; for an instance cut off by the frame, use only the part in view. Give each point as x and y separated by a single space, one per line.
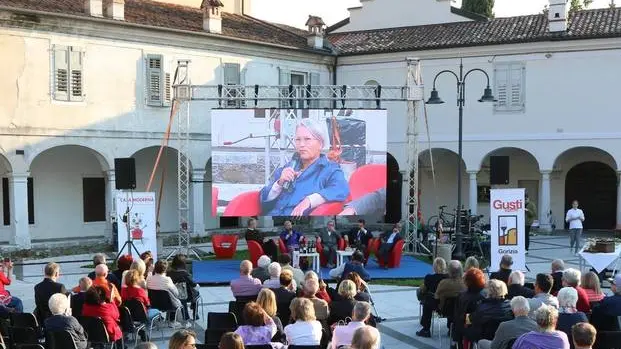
217 272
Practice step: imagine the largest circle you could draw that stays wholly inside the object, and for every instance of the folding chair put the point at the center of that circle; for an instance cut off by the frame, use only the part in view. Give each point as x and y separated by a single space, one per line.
221 320
59 340
96 331
140 317
162 300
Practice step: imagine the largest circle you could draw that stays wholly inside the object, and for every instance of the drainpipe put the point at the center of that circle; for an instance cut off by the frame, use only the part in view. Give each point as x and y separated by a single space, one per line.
336 59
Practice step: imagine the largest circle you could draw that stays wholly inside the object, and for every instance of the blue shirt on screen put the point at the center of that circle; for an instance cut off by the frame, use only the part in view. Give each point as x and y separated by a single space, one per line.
323 177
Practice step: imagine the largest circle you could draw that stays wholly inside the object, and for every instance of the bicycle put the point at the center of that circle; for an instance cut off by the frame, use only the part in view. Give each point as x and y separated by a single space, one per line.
447 220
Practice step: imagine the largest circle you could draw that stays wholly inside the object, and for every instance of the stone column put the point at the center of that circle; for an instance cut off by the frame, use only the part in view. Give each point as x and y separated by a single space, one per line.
473 197
111 193
18 188
198 201
619 200
544 202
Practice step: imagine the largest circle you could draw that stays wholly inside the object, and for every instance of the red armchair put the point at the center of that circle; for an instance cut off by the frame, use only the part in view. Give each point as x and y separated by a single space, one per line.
256 251
394 258
372 247
341 245
367 179
244 205
224 246
282 246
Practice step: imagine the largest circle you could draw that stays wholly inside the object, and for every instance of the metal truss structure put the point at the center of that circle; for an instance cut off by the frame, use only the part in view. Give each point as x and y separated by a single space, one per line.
296 97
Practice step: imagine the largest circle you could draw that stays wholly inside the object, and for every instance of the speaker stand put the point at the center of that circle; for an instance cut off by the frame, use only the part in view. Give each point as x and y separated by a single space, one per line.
129 243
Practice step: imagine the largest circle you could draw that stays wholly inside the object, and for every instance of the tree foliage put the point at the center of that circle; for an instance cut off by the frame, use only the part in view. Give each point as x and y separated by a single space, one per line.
578 5
481 7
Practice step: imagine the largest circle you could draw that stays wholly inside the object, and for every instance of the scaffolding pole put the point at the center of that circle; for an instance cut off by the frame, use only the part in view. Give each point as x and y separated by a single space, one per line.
275 96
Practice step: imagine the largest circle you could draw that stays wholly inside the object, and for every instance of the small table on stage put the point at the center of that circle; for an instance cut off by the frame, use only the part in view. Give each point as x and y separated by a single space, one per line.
600 261
314 256
340 256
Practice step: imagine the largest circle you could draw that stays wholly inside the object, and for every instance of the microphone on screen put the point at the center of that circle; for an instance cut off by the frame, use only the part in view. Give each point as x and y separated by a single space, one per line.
288 186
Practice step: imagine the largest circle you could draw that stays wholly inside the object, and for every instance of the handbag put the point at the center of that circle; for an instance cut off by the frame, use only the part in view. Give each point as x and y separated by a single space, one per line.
344 322
182 288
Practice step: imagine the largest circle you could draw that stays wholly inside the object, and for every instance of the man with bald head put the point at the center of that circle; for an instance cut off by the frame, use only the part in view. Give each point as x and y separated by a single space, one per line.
245 286
99 259
112 293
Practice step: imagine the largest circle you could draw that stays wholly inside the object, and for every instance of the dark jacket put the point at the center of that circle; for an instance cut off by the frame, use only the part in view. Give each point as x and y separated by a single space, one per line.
502 275
558 282
363 297
77 302
604 316
43 291
182 275
567 320
340 310
467 303
283 295
486 318
261 274
254 235
60 323
356 239
358 268
430 285
519 290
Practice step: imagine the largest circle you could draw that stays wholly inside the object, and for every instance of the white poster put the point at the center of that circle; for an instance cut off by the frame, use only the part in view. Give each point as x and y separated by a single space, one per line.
140 211
508 226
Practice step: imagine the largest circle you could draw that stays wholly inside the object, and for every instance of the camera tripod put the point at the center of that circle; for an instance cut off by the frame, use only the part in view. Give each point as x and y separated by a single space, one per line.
129 243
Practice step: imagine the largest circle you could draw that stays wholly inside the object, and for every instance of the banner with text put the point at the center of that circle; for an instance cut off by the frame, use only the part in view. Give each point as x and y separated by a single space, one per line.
140 211
508 226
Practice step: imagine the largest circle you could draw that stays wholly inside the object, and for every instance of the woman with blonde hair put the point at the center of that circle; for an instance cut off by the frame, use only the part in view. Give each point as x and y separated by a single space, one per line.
361 286
137 264
590 284
306 330
471 262
341 309
267 300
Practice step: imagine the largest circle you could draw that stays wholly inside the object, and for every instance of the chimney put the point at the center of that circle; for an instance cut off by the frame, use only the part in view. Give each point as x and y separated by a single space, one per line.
558 12
212 19
93 8
316 29
114 9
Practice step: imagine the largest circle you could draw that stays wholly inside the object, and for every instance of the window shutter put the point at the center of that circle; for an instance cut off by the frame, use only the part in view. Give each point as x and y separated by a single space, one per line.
77 81
501 81
284 79
314 81
61 73
167 90
516 98
154 81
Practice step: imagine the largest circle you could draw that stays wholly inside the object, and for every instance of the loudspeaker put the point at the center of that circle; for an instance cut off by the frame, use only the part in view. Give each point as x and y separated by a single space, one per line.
125 171
498 170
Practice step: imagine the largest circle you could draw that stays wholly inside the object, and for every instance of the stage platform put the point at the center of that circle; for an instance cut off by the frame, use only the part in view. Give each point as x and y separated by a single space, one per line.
221 272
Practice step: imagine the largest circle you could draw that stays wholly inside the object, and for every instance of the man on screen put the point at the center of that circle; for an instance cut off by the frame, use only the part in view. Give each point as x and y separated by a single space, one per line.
308 180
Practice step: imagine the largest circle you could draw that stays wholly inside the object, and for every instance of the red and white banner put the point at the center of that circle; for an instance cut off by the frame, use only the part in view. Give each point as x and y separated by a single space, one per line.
508 227
140 210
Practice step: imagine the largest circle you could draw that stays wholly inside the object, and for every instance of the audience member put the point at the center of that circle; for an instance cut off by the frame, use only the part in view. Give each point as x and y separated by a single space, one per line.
96 304
77 299
261 271
123 264
101 279
6 299
604 316
183 339
231 340
426 295
571 278
516 286
285 262
146 345
558 267
361 286
387 243
344 334
100 259
138 265
543 285
356 264
546 336
274 270
568 315
245 285
584 335
366 337
322 292
62 321
471 262
591 285
329 240
468 301
253 234
506 262
512 329
132 290
285 294
359 236
147 258
341 308
180 276
45 289
489 314
311 286
451 286
291 238
267 301
305 330
258 328
159 281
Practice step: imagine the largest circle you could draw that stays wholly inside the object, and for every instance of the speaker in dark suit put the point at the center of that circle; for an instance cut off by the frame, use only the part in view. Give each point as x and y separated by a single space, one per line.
498 170
125 172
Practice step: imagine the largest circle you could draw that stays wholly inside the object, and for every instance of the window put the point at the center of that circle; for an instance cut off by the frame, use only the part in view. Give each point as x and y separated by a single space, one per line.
94 199
6 203
509 86
370 94
298 80
68 74
233 76
157 85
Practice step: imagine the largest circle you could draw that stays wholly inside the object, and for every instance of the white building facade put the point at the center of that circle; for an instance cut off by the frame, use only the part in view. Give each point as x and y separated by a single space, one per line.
556 116
86 81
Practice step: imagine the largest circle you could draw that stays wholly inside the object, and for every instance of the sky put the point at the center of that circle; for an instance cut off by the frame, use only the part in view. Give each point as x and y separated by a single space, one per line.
295 12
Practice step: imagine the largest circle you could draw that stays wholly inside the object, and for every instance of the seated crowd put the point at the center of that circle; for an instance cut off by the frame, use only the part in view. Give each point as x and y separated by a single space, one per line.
503 312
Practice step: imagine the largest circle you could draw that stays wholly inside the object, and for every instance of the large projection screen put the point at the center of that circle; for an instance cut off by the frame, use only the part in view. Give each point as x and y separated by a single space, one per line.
298 162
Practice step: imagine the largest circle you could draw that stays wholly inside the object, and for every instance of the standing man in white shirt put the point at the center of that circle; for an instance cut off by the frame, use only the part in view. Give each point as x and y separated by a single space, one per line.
575 217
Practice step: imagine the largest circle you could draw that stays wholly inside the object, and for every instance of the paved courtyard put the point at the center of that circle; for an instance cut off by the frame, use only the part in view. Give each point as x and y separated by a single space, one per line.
398 305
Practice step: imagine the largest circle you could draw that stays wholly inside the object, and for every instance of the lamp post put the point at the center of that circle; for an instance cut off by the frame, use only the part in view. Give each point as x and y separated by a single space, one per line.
461 95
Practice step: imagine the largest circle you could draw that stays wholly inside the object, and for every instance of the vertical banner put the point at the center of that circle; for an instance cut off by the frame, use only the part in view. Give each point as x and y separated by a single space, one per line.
508 226
140 210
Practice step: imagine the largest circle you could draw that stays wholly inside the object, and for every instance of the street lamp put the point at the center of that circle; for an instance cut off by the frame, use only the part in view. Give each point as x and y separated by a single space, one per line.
461 94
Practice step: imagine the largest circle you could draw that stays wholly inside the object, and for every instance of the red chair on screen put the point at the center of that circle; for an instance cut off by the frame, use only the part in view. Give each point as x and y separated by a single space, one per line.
328 209
214 201
244 205
255 251
367 179
224 246
394 258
